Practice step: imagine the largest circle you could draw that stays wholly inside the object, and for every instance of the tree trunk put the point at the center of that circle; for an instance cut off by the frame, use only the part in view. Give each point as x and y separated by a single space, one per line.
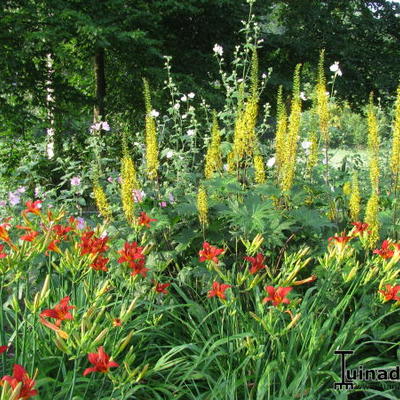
99 111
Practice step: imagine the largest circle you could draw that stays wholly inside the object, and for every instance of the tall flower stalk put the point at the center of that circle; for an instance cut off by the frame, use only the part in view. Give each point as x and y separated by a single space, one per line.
323 109
290 153
281 130
371 214
244 134
213 156
152 162
395 158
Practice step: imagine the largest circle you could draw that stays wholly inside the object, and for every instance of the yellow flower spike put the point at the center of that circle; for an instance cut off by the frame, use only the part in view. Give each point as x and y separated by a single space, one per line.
281 131
322 103
373 144
289 164
244 136
128 184
395 157
101 200
347 189
213 157
371 218
259 169
152 162
202 206
355 198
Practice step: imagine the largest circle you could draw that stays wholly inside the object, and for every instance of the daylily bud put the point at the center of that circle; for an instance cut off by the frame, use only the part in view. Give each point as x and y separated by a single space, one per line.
142 373
15 393
45 287
294 321
104 289
101 335
125 341
129 310
59 342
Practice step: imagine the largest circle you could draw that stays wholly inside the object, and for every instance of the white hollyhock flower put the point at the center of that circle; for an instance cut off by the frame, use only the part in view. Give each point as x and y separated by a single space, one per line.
306 145
169 154
218 49
335 68
271 162
154 113
191 132
191 95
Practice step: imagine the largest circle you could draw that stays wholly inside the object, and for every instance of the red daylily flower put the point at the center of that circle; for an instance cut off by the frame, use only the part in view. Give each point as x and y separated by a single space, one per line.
145 220
257 263
53 246
3 349
385 251
92 245
21 376
23 227
100 263
133 255
391 292
277 296
30 237
33 207
210 253
361 227
2 255
61 231
60 312
341 239
4 236
101 362
218 289
162 287
138 268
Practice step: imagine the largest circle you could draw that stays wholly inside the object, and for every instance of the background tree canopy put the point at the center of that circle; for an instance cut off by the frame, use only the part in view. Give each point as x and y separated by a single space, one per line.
131 37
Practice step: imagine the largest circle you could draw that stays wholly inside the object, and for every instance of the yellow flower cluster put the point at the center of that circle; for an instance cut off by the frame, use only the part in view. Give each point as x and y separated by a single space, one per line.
281 130
373 144
244 134
128 184
289 163
371 218
355 198
213 156
151 136
395 158
322 101
259 169
101 200
202 206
